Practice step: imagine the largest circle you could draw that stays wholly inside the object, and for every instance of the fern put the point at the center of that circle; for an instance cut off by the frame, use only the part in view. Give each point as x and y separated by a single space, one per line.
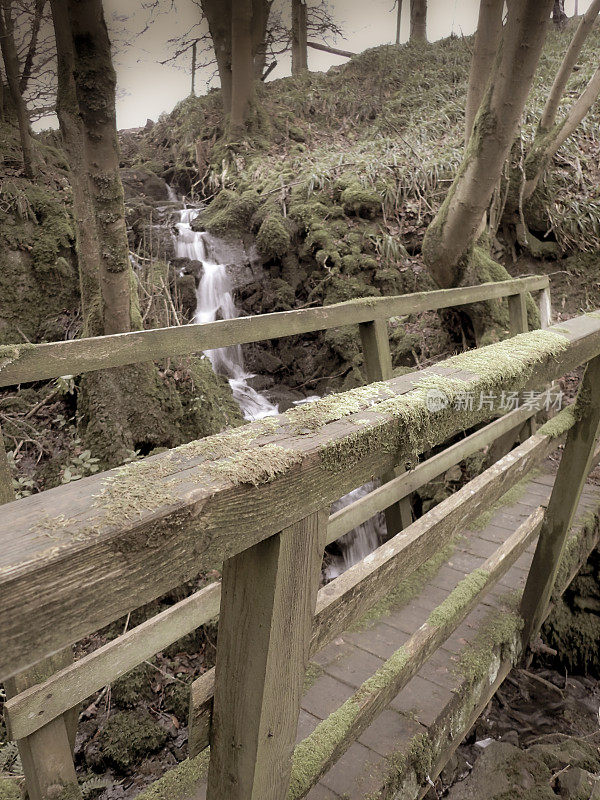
10 760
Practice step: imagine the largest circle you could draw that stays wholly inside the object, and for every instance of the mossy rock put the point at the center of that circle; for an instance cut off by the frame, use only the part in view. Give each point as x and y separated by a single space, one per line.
229 215
177 701
129 690
273 238
133 409
129 736
360 201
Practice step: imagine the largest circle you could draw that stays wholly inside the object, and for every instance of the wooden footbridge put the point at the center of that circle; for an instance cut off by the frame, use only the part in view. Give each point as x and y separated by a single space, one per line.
360 688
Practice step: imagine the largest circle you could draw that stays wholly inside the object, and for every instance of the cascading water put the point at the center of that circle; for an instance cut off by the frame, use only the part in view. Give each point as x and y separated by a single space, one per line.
215 301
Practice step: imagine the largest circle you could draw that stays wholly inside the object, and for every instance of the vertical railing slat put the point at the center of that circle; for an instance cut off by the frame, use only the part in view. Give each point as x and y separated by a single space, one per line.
378 365
46 755
517 312
268 601
570 479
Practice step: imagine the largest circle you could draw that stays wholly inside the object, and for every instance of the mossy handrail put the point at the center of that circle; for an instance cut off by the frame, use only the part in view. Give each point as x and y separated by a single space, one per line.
22 363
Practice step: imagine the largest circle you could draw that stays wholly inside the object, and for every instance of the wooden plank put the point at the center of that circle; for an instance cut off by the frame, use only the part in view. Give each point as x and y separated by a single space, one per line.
378 363
267 606
57 741
23 363
42 702
517 312
200 712
572 473
94 564
348 597
361 510
7 493
331 738
545 307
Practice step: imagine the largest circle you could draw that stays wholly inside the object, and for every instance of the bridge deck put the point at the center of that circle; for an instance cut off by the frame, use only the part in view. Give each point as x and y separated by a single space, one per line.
433 698
438 701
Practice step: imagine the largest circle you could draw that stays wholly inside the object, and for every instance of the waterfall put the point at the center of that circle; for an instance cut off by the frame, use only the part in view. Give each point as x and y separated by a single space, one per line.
215 301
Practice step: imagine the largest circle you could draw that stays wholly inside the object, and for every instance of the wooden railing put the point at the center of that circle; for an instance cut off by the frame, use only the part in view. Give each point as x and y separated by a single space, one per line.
255 500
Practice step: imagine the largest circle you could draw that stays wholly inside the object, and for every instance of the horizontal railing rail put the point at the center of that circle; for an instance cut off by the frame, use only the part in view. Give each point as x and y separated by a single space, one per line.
23 363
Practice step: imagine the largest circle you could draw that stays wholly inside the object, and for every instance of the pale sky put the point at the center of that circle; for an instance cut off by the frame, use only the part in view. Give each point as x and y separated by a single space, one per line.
147 88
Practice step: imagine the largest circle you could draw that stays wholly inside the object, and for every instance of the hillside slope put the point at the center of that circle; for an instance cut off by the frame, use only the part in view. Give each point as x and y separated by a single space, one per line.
343 171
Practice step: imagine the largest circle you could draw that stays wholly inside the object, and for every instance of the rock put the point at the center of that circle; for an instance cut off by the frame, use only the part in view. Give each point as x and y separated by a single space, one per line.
143 183
577 784
503 770
512 737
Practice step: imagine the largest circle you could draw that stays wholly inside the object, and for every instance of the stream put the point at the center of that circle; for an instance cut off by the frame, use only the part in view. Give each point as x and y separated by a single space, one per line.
215 301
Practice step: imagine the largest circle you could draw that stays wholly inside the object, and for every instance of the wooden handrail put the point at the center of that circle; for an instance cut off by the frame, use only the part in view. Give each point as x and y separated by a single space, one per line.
39 705
59 556
22 363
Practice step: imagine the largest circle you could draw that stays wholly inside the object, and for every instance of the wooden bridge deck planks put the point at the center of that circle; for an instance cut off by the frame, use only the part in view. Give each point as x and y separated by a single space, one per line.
425 703
361 772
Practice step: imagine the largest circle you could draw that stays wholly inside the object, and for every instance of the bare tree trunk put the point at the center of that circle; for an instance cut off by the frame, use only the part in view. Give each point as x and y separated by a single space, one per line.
193 87
576 10
566 68
299 34
545 147
260 18
11 67
398 21
559 17
487 42
38 10
242 63
86 107
418 20
218 16
454 229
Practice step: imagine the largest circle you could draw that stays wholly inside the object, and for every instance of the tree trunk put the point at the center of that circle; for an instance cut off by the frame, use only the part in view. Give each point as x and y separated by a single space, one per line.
487 42
38 10
299 33
242 64
545 146
566 68
418 20
218 16
260 18
398 21
455 227
193 87
559 17
95 83
11 67
73 138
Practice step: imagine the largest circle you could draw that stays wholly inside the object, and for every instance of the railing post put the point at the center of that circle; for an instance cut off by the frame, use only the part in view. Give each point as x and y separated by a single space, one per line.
545 307
378 364
268 601
570 479
46 755
517 312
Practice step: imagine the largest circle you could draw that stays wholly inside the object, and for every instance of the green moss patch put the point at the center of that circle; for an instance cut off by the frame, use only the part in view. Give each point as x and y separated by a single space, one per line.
181 782
129 736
